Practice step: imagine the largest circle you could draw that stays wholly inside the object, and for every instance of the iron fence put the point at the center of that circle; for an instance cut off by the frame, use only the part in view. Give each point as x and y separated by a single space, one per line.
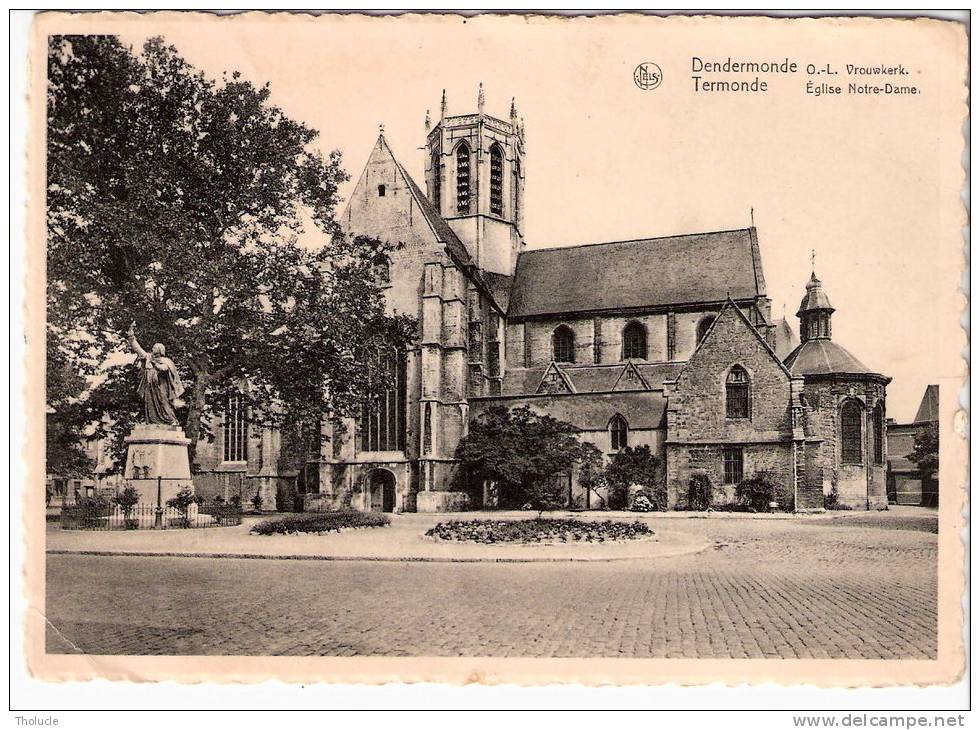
101 516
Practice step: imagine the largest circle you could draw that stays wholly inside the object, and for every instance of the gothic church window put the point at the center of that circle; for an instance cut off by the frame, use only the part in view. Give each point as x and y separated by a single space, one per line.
619 432
436 182
563 344
382 422
878 418
496 181
737 393
634 342
515 190
462 179
851 446
235 429
734 461
703 326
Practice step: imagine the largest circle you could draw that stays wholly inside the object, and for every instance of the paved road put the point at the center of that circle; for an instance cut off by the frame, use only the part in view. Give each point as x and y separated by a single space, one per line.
863 589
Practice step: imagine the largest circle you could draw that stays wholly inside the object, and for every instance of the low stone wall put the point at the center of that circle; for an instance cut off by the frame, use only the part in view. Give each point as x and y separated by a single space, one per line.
442 501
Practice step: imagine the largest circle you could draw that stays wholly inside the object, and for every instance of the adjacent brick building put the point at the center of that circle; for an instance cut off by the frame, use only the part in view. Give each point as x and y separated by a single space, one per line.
667 342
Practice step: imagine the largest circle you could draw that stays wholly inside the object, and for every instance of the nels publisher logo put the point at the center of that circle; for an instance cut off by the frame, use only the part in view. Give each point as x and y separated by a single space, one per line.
648 76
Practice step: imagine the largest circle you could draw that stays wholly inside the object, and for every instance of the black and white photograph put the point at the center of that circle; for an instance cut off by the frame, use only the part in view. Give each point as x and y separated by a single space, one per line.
484 338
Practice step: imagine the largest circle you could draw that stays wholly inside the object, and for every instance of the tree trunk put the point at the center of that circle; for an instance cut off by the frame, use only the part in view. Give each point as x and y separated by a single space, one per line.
195 411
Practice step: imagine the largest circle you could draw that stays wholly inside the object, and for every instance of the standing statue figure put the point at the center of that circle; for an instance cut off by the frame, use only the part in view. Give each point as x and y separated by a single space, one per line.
160 384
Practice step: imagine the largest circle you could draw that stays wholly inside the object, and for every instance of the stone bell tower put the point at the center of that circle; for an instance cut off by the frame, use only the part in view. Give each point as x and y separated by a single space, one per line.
474 174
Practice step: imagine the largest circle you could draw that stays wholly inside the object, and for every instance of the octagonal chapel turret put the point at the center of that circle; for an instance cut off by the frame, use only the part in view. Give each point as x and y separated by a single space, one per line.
845 409
474 177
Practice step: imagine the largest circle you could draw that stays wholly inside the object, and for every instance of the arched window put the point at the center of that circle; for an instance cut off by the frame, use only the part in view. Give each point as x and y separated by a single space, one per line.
496 181
851 446
381 191
737 393
563 344
235 429
515 190
436 182
462 179
382 426
703 326
879 433
634 342
619 433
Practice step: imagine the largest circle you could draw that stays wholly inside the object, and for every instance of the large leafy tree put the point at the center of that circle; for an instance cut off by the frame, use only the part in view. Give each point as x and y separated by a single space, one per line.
522 451
182 203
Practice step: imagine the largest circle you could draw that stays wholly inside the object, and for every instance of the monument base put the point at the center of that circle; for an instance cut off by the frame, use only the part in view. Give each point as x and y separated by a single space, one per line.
156 456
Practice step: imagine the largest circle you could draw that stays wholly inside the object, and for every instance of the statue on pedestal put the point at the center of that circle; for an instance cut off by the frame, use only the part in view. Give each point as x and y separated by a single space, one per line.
160 385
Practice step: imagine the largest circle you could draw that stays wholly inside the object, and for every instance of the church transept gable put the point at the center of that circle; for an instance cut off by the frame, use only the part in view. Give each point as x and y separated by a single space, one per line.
733 387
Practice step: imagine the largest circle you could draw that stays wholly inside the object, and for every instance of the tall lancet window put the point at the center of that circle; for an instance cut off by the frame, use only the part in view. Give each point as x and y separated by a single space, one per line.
436 182
462 179
496 181
235 429
515 190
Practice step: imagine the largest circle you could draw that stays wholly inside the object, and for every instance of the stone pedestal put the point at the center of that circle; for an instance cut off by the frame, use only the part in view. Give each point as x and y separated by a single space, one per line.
155 450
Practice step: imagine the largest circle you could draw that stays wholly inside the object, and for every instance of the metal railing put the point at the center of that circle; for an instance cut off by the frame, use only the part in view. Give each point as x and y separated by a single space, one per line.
103 514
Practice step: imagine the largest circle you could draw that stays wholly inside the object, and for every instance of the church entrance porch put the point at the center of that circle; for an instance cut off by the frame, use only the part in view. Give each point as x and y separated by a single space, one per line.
381 488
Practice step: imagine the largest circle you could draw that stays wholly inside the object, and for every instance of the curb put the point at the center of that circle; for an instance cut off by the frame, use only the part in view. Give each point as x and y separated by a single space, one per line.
372 558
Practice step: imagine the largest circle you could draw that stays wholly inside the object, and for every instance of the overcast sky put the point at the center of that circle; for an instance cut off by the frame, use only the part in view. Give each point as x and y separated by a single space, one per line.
855 178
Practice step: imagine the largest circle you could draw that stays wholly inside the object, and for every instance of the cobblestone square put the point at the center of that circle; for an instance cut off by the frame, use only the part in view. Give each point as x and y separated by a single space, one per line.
859 586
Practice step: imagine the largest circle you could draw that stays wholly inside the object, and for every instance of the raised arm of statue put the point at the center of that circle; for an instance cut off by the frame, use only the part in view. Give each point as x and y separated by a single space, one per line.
133 343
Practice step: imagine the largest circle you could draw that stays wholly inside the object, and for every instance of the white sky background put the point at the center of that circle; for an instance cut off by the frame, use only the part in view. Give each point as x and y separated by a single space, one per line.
855 178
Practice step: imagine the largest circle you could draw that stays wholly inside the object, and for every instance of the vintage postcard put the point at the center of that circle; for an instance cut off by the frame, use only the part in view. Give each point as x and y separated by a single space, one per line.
496 348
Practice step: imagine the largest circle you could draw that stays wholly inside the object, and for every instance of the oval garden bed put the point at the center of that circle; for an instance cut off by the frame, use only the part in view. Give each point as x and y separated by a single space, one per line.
539 531
319 522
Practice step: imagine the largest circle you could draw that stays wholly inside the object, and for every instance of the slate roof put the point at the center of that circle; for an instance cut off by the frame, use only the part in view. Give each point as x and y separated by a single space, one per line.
929 407
824 357
592 411
649 272
588 378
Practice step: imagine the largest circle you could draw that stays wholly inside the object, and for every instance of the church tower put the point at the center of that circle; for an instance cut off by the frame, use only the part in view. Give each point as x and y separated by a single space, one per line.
474 174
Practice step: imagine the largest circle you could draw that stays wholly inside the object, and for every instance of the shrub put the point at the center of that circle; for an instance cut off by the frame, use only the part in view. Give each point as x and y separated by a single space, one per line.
634 465
642 503
521 451
538 530
758 491
183 500
319 522
257 502
699 495
126 500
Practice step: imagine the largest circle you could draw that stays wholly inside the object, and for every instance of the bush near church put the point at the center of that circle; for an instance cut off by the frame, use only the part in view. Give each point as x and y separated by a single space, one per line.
699 492
523 453
636 465
759 491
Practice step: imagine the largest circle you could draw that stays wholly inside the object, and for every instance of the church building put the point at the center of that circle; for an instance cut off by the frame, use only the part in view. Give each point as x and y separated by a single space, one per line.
666 341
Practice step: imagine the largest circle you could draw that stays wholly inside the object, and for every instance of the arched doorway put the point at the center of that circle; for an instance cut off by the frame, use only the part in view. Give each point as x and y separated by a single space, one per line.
382 483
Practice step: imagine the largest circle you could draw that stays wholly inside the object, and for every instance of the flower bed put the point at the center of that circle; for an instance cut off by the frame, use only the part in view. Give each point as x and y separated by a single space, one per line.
538 531
319 522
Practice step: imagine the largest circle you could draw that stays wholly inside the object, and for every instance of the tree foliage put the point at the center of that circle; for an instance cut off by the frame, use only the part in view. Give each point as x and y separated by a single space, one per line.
925 450
183 203
522 451
634 465
64 454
